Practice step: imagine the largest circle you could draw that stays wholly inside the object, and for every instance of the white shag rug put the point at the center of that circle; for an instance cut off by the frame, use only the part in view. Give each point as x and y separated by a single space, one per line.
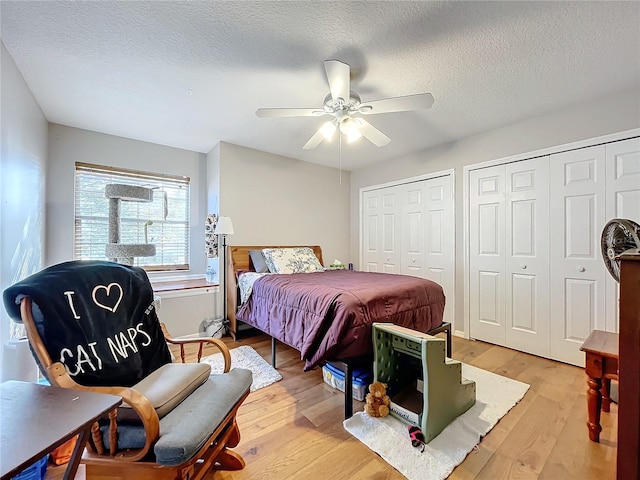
389 438
246 357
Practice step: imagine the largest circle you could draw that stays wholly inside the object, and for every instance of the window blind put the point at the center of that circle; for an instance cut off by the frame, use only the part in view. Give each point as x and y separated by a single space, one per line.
163 222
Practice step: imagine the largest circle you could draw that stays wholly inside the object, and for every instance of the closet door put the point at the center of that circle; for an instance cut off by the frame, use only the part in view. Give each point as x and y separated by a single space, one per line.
382 219
527 256
623 201
439 236
372 231
577 215
410 229
487 254
413 225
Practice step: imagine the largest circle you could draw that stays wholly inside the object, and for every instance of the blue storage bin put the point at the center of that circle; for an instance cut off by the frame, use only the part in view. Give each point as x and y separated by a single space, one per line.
335 377
36 471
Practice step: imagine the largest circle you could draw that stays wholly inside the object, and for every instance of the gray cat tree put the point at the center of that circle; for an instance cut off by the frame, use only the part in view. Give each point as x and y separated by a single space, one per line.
120 252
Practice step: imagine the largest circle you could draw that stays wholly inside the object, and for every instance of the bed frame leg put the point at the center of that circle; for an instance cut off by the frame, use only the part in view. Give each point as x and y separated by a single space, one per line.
273 352
446 328
348 386
348 391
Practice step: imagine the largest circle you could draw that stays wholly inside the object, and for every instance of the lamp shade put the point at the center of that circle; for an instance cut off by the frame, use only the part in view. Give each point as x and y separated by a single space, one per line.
224 226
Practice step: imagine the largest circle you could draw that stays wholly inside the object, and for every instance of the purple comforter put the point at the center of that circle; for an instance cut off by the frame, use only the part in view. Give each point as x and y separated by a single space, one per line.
328 315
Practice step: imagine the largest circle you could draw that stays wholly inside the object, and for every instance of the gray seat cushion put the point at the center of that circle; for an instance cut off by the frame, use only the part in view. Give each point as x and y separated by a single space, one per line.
171 384
185 429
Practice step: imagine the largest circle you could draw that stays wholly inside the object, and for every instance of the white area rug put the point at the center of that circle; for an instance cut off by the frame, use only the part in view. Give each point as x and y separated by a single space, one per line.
389 438
246 357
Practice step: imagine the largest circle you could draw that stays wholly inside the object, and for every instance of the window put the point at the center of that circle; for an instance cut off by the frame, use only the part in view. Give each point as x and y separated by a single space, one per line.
163 222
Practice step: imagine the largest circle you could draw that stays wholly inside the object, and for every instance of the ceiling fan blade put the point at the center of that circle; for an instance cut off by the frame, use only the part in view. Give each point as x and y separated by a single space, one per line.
290 112
398 104
371 133
339 78
314 141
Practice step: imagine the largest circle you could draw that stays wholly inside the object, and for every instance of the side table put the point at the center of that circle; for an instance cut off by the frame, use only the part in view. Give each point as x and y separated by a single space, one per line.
601 367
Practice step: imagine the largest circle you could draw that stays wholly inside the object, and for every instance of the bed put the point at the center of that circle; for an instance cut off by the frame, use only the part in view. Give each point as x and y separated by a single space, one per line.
327 315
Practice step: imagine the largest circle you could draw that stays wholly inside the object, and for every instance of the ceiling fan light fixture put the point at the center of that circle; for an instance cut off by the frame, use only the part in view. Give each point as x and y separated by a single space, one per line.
349 127
328 130
353 136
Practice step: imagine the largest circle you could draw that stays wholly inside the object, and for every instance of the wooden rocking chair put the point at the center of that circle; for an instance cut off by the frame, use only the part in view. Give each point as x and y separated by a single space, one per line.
178 421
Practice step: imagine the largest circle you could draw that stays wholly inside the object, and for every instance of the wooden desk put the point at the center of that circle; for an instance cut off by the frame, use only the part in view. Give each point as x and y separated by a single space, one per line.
38 418
601 366
629 382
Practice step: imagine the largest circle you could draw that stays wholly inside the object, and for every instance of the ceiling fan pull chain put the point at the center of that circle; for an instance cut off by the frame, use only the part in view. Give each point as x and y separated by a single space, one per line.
340 156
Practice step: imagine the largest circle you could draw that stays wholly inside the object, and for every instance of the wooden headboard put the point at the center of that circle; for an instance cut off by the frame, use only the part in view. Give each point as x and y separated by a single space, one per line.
238 259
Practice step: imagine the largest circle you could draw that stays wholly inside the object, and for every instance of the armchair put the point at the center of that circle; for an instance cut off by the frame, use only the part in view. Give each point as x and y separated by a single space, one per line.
93 326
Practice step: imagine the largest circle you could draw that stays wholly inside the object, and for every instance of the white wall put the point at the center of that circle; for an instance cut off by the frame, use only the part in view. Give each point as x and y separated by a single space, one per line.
600 117
69 145
213 197
22 183
275 200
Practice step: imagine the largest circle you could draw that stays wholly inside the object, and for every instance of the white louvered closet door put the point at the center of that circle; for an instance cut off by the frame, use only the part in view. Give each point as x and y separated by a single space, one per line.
487 263
577 216
623 201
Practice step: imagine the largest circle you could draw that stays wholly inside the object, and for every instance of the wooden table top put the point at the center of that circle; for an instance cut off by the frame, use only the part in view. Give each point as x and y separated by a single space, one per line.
38 418
601 343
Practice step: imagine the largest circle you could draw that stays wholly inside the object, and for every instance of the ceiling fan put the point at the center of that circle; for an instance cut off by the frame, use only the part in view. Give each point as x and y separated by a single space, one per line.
346 108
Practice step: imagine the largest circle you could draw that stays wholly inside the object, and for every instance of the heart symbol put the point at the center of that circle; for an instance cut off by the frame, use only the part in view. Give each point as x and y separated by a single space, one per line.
107 290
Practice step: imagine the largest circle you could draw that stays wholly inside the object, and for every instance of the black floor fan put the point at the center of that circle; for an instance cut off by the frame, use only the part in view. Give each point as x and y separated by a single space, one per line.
619 236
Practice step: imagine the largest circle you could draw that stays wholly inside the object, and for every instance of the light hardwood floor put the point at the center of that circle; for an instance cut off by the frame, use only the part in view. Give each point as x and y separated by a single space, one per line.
293 429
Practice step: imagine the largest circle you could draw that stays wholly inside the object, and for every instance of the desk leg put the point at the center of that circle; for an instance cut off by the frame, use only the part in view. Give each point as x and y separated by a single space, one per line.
594 403
81 442
606 398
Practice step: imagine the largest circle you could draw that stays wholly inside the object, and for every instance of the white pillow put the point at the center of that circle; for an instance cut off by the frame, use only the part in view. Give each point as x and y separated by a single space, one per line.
292 260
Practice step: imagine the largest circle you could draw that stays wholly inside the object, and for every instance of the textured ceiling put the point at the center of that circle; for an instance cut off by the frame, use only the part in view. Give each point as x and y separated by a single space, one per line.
191 74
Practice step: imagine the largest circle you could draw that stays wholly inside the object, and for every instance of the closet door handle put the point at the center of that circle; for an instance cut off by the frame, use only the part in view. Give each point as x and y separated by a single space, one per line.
523 266
414 260
581 268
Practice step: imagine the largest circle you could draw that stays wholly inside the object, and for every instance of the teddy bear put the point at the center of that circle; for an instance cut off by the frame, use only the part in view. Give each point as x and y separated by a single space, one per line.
377 400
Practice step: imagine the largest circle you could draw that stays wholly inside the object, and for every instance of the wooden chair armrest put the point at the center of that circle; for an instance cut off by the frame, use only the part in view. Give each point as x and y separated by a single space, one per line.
138 402
219 344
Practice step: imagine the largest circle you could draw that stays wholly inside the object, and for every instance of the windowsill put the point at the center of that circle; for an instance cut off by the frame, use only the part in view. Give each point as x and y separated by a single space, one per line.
181 285
173 276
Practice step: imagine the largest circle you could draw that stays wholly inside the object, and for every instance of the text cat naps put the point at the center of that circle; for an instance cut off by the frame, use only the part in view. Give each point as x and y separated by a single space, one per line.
74 317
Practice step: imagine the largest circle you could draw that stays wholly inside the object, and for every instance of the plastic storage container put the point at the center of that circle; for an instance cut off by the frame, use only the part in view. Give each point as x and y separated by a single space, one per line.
335 377
36 471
